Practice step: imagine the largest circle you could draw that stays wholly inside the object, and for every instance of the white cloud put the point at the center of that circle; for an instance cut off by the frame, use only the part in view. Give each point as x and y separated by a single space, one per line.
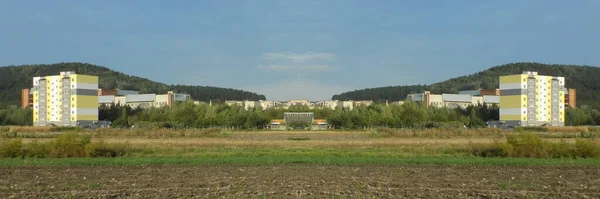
299 89
298 57
297 68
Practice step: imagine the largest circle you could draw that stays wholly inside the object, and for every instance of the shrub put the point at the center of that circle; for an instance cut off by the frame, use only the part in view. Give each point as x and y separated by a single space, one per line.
11 134
12 148
36 150
525 145
531 129
70 145
298 138
560 150
486 150
102 149
67 129
586 148
594 129
4 129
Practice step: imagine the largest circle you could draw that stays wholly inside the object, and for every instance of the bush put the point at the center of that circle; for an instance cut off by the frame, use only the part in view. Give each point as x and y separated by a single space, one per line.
298 138
586 148
67 129
12 148
101 149
36 150
66 145
70 145
525 145
12 134
486 150
531 129
158 125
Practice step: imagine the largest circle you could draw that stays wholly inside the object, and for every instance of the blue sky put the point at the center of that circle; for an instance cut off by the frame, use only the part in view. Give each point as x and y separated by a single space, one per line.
306 49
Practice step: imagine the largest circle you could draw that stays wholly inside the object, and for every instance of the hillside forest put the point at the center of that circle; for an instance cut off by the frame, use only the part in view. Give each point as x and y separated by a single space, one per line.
15 78
582 78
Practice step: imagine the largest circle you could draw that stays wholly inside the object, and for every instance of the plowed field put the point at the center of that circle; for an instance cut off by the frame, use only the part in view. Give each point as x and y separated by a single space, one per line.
306 181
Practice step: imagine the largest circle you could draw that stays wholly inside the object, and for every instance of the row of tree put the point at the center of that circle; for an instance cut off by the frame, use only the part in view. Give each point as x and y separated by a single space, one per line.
408 115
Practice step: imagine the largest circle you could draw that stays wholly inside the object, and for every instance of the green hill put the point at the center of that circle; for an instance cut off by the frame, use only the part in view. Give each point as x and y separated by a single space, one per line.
583 78
14 78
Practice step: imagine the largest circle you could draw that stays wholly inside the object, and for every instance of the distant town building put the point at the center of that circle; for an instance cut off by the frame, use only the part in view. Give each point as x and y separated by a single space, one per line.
452 100
530 99
67 99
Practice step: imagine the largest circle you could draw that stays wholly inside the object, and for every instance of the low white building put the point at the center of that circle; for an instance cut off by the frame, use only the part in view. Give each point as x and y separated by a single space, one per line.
143 100
453 100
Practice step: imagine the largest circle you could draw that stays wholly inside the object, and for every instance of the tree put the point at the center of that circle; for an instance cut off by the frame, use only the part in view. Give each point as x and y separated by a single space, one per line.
122 121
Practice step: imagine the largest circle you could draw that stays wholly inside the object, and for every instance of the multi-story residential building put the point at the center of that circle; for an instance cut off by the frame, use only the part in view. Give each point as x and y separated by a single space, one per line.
452 100
530 99
144 100
67 99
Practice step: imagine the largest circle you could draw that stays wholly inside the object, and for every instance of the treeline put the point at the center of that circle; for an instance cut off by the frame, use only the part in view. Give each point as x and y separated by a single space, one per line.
15 78
408 115
581 78
16 116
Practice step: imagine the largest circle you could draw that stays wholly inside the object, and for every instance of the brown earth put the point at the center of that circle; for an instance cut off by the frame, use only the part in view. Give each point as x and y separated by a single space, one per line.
305 181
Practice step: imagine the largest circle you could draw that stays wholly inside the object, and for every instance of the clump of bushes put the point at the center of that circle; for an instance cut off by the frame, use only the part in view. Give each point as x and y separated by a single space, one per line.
530 145
298 138
531 129
4 129
436 133
158 125
65 145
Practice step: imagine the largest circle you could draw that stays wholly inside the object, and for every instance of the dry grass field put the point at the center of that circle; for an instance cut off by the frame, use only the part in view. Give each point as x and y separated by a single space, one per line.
211 163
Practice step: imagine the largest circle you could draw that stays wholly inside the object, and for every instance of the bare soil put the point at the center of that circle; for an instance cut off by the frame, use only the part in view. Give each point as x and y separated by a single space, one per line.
304 181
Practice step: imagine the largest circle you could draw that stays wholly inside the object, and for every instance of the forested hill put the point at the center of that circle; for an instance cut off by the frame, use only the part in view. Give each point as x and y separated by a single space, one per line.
583 78
14 78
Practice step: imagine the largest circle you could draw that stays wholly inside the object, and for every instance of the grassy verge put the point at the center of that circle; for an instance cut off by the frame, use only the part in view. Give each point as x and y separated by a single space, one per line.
281 160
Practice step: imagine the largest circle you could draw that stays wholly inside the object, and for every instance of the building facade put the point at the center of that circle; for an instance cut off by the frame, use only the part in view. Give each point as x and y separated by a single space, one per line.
67 99
304 117
452 100
530 99
144 100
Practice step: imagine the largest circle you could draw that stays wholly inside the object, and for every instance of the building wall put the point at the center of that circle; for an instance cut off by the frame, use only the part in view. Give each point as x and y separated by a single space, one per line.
103 92
530 99
571 98
26 98
67 99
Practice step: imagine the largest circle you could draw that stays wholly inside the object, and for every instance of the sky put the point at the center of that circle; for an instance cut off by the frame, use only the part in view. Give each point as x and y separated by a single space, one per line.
305 49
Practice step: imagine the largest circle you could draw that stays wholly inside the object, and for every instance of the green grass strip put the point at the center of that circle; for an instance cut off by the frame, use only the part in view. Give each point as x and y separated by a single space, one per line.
276 160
